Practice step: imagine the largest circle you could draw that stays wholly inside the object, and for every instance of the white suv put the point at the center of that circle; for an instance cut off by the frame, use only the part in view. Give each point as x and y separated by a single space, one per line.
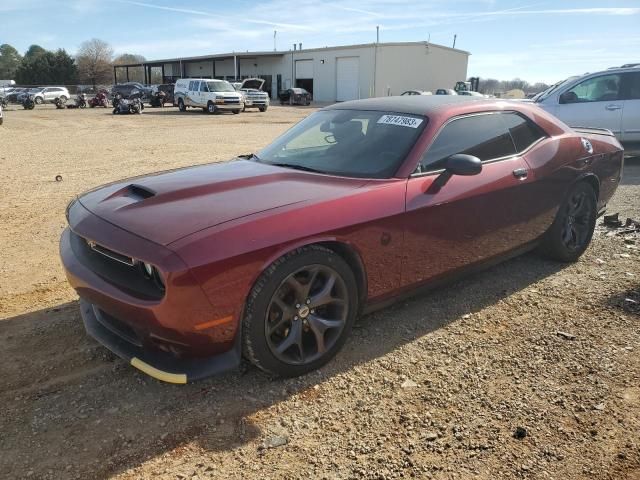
609 99
210 95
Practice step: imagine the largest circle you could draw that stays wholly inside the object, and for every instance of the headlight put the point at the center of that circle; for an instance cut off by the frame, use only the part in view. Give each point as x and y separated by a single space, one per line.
148 269
151 273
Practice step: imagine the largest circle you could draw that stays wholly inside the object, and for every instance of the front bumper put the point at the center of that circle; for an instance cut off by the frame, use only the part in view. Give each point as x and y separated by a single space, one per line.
157 364
229 106
180 327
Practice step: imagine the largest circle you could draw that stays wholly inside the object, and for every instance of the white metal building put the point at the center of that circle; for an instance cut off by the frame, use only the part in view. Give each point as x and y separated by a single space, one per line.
330 74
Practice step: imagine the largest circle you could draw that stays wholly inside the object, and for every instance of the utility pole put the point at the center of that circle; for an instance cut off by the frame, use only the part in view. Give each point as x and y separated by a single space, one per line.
274 40
455 35
377 33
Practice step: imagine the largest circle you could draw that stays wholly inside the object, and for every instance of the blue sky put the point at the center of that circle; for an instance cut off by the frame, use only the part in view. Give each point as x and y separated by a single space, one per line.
534 40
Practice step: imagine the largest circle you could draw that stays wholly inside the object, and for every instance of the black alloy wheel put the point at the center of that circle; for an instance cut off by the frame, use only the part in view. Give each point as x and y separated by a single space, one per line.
300 312
306 314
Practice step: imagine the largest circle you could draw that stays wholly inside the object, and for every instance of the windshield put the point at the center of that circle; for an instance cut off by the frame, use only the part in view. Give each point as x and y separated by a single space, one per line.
220 87
351 143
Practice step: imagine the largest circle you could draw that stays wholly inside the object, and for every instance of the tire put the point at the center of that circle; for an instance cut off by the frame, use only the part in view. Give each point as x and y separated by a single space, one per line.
263 109
39 101
181 106
260 347
211 108
236 112
572 229
64 98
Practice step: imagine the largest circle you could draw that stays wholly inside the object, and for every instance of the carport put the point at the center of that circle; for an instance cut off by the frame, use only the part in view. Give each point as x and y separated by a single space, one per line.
229 66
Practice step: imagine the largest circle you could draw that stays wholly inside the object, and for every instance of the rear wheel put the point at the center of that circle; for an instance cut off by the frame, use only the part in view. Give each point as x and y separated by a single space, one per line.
571 231
236 112
300 312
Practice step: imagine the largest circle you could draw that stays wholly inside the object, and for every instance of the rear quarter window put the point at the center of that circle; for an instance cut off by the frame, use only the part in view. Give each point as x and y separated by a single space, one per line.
523 131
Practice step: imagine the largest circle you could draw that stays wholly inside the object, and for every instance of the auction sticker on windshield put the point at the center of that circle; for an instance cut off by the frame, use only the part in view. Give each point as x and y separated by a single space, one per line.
400 120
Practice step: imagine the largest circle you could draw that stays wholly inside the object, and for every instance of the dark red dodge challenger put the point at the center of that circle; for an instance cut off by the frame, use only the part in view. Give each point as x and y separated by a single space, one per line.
272 256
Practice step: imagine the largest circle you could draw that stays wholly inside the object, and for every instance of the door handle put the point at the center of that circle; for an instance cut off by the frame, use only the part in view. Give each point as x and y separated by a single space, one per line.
613 107
520 173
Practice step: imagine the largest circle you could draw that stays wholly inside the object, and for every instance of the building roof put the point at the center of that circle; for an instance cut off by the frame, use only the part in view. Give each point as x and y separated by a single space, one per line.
410 104
280 53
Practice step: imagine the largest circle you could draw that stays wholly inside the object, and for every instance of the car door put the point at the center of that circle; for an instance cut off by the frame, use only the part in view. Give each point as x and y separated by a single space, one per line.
594 102
471 218
631 112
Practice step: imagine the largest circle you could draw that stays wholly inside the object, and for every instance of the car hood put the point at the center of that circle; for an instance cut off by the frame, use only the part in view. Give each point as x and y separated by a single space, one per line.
253 83
168 206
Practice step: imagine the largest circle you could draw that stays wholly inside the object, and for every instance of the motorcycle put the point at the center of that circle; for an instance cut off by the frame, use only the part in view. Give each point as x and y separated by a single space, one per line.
60 102
81 100
29 102
133 104
100 100
158 99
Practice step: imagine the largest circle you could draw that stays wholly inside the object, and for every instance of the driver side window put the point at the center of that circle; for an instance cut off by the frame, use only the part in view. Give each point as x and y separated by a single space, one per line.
604 88
483 136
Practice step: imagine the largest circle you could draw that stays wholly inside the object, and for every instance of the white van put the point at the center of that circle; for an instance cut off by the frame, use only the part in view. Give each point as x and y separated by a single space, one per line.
210 95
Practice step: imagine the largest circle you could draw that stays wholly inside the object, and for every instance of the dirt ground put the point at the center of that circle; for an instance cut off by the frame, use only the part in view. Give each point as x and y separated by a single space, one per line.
527 370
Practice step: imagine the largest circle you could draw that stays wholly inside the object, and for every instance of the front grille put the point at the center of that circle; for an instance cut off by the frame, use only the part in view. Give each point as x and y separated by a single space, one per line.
231 101
114 268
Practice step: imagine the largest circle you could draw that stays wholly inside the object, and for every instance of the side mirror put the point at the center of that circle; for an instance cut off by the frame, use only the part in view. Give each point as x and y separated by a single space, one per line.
458 164
461 164
568 97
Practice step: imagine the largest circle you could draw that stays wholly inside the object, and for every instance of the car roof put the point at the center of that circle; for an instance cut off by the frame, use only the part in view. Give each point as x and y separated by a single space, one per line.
411 104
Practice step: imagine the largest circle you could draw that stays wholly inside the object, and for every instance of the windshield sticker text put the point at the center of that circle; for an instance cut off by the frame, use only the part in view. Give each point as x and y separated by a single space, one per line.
400 121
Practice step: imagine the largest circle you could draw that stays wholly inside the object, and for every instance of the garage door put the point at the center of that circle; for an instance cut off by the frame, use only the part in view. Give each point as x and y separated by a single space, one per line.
304 69
347 78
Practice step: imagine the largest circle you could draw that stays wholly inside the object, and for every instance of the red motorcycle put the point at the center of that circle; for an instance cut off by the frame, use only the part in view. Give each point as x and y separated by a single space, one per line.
100 100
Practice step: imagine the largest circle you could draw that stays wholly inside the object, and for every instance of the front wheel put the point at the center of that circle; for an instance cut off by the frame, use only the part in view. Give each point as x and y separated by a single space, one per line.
263 109
300 312
39 101
181 106
211 108
571 231
236 112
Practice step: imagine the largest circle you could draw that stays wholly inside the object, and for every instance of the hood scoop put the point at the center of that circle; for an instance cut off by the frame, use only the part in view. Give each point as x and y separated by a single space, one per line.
134 192
139 192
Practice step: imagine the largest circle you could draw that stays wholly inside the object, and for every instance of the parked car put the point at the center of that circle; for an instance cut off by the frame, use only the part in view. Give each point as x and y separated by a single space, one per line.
49 94
254 97
469 93
44 95
167 88
295 96
128 89
212 96
416 92
13 94
272 256
607 99
446 91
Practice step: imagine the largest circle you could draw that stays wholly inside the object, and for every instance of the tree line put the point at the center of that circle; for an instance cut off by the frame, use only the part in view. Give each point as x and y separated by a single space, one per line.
491 86
92 64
